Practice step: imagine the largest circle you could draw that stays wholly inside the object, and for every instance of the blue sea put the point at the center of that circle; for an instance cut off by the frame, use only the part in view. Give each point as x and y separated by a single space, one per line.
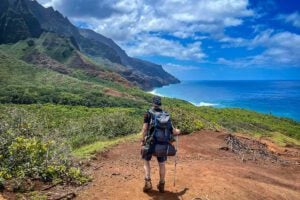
280 98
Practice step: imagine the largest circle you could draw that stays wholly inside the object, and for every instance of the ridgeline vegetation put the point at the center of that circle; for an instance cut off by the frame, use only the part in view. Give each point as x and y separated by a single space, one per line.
47 118
57 104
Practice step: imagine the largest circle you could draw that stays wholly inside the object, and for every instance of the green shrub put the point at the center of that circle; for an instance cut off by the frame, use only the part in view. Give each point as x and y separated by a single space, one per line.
186 120
26 154
108 124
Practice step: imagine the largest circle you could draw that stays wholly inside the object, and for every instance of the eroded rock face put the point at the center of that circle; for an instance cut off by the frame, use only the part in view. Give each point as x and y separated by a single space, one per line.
17 22
45 61
148 75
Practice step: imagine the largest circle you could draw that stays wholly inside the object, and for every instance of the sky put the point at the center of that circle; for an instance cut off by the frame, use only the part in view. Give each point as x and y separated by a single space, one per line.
199 39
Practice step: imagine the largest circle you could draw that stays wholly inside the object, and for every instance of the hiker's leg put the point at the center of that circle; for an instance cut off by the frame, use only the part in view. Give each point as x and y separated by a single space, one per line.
147 169
162 171
162 167
148 184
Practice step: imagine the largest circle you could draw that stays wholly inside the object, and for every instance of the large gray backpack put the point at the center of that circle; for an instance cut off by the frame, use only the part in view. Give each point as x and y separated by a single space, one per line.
161 126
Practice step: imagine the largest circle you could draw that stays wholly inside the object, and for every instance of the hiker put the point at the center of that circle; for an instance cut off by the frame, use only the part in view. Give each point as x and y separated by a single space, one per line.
150 140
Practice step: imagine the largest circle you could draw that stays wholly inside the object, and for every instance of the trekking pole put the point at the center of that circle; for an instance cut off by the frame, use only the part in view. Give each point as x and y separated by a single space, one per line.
175 162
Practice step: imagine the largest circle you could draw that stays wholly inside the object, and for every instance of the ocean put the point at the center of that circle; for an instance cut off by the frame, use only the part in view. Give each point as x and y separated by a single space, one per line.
279 98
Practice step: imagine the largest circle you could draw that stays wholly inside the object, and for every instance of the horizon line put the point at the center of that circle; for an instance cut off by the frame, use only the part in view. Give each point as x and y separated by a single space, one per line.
239 79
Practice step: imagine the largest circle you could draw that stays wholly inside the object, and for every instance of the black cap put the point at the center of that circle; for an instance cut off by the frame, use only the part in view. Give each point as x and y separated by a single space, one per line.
156 100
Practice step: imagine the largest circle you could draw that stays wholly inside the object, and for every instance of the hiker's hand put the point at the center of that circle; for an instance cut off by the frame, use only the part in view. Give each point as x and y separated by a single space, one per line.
176 131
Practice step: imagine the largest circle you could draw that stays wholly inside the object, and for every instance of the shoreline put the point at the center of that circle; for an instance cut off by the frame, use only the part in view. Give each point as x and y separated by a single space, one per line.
220 105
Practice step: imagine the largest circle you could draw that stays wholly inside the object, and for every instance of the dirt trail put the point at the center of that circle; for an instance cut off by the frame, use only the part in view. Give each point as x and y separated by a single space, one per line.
203 172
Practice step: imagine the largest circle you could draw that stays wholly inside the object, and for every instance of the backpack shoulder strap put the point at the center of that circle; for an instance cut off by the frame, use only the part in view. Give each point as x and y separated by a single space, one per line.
152 115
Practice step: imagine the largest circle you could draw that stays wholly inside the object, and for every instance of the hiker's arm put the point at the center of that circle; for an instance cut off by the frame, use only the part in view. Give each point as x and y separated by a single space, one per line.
144 132
176 131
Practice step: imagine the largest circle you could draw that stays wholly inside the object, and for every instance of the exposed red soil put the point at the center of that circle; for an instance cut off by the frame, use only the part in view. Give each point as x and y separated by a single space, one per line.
203 172
115 93
44 61
80 62
112 92
112 76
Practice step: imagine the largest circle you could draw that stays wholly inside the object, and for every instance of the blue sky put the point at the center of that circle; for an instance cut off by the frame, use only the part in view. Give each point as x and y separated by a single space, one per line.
199 39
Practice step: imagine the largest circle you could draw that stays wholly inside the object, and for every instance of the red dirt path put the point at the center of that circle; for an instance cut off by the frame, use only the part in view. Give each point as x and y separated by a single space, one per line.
203 172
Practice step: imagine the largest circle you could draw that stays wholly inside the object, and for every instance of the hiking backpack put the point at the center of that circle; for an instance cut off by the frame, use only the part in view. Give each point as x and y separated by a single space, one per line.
159 134
160 126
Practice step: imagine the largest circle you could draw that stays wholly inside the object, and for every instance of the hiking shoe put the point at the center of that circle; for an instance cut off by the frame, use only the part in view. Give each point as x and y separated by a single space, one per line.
148 185
161 186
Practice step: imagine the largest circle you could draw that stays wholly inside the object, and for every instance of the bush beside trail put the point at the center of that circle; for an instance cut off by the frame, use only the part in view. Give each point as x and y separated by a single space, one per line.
37 140
26 155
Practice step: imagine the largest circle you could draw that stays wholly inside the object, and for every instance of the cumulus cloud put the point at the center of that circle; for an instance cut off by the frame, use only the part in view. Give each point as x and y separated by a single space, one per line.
132 22
281 49
153 45
186 16
140 27
83 8
179 68
293 18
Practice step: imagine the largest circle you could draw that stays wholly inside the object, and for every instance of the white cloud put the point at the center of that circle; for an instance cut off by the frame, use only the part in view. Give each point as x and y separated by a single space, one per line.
281 49
293 18
172 16
132 22
175 67
153 45
278 49
139 26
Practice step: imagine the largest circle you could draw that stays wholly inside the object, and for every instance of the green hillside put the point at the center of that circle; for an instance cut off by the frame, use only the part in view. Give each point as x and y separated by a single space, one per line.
26 84
67 93
53 109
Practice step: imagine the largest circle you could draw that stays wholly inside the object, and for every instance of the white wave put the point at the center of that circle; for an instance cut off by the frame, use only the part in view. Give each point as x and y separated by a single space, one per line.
205 104
154 92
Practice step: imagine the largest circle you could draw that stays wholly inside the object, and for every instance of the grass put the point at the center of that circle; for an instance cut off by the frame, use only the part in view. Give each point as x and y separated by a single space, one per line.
58 48
245 121
283 140
39 106
77 125
91 149
27 84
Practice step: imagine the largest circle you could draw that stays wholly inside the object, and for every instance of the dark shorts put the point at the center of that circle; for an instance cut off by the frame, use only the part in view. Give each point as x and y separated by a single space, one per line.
159 159
148 156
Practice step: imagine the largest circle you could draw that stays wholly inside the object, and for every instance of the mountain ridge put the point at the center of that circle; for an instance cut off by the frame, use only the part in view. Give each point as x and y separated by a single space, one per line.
17 22
97 47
